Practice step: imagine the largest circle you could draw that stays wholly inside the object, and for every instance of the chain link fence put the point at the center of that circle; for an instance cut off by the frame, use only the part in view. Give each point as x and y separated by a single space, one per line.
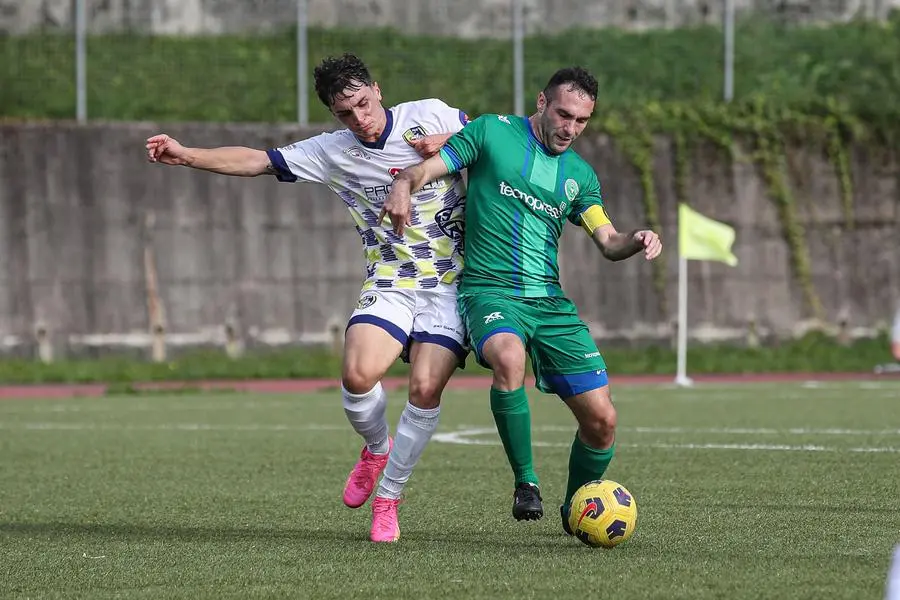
177 60
252 60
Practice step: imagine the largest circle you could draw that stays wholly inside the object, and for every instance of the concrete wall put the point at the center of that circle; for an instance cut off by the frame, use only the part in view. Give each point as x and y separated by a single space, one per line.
467 18
87 226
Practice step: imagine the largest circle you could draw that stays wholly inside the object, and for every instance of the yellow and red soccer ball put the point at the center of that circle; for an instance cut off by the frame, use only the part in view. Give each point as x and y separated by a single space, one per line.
603 514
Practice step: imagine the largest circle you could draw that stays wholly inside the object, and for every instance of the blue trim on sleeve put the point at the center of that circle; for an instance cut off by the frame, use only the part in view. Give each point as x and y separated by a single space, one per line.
396 332
283 171
463 118
382 139
440 340
566 386
450 155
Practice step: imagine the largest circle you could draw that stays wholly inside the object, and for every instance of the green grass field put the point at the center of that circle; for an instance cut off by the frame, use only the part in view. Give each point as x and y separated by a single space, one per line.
761 491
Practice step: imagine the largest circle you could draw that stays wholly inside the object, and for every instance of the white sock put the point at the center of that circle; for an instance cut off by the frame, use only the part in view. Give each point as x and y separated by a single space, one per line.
366 413
413 432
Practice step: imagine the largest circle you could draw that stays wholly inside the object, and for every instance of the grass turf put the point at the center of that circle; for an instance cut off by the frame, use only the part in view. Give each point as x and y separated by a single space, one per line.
758 491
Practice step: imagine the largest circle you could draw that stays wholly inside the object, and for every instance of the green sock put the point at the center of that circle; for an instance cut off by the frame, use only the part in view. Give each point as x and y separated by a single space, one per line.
513 419
586 464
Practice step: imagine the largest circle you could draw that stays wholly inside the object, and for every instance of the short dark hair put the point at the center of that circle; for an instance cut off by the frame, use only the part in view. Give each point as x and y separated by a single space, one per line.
336 74
576 77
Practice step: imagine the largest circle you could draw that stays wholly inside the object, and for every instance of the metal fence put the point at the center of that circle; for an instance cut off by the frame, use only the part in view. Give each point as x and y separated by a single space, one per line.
85 51
132 59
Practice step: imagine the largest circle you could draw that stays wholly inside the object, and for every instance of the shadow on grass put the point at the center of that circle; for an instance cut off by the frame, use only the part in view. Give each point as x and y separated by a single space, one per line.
132 532
339 536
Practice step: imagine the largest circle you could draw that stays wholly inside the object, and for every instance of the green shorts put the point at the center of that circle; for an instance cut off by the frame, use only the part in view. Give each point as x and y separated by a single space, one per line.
563 354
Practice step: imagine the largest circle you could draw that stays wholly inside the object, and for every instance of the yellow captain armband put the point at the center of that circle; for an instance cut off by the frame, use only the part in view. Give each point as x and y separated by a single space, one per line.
594 217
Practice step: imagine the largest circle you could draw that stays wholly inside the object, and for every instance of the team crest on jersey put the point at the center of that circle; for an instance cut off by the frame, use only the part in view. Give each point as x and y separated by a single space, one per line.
366 301
414 134
357 152
571 188
451 225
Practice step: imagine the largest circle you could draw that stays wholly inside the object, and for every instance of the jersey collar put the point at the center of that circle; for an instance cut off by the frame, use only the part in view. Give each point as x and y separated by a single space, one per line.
534 136
540 144
388 126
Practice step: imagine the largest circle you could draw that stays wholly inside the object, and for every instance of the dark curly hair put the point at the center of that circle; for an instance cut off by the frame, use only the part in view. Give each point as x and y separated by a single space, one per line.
577 78
335 75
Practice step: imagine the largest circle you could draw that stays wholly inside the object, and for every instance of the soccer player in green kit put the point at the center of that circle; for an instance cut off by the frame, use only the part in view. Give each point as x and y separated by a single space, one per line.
525 182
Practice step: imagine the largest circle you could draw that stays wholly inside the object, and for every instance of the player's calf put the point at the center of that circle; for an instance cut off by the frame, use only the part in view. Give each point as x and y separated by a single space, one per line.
598 426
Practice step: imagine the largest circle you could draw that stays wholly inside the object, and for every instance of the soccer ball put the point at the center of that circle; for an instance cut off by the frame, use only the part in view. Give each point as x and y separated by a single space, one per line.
602 514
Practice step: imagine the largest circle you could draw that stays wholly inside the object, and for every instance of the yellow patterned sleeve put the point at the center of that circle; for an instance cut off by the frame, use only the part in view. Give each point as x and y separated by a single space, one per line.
594 217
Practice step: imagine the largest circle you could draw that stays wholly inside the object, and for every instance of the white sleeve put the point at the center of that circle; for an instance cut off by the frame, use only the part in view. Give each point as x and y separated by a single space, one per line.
306 160
450 120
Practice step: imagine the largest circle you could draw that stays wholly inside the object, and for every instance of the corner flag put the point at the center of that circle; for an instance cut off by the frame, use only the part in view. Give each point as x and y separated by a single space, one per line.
701 238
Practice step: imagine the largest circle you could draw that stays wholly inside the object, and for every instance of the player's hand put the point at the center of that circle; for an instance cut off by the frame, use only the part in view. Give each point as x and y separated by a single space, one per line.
397 206
164 149
430 145
650 242
895 349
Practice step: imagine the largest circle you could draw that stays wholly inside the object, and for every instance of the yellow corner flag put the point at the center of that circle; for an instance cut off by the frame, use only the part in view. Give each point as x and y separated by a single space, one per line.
701 238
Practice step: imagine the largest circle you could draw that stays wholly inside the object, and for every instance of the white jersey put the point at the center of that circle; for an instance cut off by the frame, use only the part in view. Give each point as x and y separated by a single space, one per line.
429 254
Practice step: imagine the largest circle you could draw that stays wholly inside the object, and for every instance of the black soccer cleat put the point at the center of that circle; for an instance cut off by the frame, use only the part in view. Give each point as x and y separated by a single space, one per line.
564 514
527 502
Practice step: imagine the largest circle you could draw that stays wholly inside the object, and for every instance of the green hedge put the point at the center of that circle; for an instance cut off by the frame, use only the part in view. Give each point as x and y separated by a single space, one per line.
253 78
812 353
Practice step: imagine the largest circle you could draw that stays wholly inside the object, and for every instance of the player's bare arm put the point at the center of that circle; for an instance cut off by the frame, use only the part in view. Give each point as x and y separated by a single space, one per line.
430 145
411 179
619 246
227 160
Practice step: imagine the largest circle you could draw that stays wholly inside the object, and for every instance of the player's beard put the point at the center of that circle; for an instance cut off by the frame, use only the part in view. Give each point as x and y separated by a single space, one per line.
552 141
549 135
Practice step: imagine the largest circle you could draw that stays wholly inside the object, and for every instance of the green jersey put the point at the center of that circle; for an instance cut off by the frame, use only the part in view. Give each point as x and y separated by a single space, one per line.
519 198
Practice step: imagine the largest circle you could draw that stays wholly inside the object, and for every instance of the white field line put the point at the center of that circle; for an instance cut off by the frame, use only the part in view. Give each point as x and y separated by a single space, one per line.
472 436
717 430
707 393
166 427
469 437
69 407
466 430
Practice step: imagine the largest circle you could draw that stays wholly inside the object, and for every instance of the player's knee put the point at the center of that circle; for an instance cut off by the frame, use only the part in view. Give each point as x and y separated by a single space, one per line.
598 428
356 379
508 365
424 392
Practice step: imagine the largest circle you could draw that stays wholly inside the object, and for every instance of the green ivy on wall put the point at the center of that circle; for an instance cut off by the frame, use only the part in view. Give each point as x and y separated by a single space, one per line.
635 140
766 130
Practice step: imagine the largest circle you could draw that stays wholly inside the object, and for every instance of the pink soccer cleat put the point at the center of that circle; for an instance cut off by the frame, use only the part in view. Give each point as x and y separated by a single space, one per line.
385 527
364 476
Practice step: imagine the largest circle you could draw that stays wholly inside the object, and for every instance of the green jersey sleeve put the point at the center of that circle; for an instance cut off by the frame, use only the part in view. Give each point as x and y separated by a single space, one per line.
464 148
587 208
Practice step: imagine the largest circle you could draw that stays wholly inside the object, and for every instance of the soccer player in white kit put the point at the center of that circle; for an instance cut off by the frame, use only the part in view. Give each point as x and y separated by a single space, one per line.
407 306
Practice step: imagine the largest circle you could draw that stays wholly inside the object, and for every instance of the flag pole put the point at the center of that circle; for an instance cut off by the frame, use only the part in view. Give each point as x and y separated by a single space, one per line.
681 378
